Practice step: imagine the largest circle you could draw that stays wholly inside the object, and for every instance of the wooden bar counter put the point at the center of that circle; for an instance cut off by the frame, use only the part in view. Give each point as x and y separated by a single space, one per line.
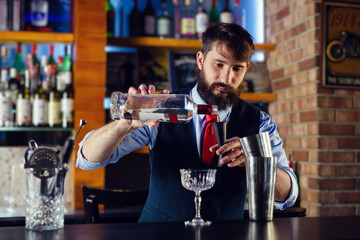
305 228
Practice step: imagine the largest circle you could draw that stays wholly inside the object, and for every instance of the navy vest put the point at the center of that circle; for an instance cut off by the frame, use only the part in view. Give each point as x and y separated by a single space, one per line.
175 148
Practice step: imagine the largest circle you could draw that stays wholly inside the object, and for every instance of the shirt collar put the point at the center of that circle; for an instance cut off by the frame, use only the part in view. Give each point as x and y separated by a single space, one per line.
194 94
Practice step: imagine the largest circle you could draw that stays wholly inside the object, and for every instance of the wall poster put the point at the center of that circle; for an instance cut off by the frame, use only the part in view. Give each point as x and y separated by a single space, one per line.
341 45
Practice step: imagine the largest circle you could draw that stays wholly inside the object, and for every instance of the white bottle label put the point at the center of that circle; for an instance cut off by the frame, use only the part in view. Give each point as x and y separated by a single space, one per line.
67 77
54 113
226 17
67 107
188 26
202 22
23 111
39 111
149 27
5 110
163 26
39 13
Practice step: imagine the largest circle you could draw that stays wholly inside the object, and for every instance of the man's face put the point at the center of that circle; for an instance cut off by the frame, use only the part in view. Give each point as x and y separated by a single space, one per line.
220 76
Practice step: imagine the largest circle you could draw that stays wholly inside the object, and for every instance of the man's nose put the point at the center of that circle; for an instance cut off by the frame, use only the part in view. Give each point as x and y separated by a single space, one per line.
225 75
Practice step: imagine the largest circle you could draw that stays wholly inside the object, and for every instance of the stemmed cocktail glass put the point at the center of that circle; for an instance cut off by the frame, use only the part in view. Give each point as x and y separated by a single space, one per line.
197 181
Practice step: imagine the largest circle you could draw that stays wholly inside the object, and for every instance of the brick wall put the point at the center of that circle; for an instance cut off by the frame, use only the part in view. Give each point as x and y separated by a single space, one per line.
320 127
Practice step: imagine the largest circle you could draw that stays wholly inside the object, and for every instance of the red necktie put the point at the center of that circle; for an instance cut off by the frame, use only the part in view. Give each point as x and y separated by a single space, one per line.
209 140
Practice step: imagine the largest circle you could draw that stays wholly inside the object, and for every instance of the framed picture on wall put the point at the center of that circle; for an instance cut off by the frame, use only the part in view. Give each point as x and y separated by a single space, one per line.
341 45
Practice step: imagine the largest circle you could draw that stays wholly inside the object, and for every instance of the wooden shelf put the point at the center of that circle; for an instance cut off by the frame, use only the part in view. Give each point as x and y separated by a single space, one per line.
35 37
170 43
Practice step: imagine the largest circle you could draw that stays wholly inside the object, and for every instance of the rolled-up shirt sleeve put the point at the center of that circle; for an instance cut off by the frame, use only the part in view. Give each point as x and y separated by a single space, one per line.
135 140
267 124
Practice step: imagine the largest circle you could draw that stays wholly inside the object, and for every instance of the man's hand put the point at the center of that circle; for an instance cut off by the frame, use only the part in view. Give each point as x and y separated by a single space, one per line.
235 154
143 89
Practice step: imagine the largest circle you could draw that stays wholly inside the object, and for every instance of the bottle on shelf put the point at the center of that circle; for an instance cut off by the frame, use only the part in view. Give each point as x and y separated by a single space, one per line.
18 12
149 19
67 103
23 105
54 110
5 16
164 22
39 15
201 20
136 21
226 15
44 79
33 66
187 21
240 14
5 101
177 18
174 108
110 19
64 70
14 86
18 63
213 16
67 109
39 106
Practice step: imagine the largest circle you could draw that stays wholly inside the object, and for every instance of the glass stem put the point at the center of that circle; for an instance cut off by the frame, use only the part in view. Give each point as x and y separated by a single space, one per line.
197 204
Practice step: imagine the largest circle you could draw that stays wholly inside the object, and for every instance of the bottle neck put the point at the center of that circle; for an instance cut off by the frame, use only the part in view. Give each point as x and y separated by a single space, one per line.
207 109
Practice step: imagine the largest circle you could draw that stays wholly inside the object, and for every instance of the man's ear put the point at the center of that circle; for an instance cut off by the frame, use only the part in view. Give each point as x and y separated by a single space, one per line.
200 60
247 67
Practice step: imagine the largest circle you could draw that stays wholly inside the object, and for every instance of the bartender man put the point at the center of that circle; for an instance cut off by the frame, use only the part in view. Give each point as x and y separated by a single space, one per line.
223 61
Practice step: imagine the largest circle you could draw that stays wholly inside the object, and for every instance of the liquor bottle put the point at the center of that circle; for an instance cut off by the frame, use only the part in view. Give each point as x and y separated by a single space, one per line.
201 20
33 65
136 21
18 12
67 109
149 19
66 67
214 18
14 86
5 16
174 108
44 79
5 100
54 111
39 15
110 19
39 108
226 15
51 69
187 21
19 64
23 105
164 23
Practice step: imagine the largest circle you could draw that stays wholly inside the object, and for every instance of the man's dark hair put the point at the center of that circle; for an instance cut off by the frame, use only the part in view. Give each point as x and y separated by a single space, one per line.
235 37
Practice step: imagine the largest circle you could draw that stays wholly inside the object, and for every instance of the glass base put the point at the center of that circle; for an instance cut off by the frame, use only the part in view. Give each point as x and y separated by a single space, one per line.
197 222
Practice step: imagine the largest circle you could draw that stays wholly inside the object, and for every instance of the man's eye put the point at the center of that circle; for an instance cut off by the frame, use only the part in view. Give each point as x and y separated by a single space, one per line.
236 69
219 65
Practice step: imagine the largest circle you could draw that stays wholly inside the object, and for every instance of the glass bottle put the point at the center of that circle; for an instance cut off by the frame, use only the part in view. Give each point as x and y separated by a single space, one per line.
18 12
164 22
174 108
226 15
39 107
187 21
136 21
18 63
54 111
23 106
214 18
5 16
5 100
149 19
201 20
39 13
177 18
14 85
110 19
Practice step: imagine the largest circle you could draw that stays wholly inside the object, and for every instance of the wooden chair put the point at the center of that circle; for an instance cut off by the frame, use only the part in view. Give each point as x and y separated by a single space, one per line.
110 198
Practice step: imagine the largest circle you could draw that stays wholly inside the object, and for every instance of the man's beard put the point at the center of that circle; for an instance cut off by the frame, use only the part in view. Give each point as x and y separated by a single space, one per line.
222 100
